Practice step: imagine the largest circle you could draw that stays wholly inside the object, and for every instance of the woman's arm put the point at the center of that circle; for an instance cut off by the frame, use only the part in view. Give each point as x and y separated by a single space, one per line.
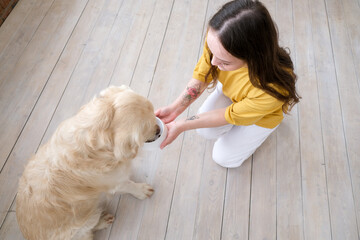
214 118
192 91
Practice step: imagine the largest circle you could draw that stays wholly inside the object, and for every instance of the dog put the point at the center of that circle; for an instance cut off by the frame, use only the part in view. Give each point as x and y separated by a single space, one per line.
65 184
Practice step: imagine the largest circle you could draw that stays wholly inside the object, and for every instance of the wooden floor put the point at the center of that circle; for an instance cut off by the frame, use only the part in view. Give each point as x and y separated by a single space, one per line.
302 183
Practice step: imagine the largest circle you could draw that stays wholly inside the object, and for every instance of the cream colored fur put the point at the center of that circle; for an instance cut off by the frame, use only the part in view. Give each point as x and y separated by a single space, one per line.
63 188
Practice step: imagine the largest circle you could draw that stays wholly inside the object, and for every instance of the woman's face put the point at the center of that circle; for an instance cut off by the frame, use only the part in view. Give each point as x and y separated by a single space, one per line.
222 58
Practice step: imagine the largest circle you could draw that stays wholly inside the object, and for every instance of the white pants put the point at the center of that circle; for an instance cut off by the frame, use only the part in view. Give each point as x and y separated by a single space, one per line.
234 144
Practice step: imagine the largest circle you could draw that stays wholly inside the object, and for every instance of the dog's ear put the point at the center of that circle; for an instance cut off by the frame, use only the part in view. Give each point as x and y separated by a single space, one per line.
99 114
126 146
96 118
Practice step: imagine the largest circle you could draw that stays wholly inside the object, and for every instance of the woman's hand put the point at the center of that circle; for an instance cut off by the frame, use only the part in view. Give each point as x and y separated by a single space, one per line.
214 118
192 91
174 129
166 114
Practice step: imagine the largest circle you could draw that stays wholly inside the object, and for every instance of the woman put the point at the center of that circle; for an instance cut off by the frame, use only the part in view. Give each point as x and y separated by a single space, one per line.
253 79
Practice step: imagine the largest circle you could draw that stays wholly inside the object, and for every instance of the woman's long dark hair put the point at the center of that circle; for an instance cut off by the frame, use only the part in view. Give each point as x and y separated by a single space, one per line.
247 31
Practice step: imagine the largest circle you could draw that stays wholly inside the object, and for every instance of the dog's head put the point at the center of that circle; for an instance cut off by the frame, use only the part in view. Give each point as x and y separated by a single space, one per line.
130 119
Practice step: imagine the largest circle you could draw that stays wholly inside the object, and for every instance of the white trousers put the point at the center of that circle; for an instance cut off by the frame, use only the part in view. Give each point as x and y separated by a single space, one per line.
234 144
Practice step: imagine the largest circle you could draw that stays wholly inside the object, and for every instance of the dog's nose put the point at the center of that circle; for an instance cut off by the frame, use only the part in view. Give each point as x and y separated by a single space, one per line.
157 130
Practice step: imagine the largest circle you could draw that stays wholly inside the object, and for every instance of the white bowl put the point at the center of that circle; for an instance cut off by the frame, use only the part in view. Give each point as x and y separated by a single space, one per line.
154 145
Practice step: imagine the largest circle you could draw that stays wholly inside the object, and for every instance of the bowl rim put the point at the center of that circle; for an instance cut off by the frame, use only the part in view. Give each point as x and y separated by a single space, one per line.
156 143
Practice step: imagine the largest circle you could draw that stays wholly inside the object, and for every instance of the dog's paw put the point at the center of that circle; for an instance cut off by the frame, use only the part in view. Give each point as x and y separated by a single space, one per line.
108 218
148 190
105 221
145 191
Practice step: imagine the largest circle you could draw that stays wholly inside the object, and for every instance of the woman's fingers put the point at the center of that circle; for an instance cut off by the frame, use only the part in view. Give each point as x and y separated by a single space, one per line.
172 135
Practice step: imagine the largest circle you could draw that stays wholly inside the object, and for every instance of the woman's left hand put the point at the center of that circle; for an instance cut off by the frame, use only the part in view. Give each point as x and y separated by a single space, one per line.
214 118
174 129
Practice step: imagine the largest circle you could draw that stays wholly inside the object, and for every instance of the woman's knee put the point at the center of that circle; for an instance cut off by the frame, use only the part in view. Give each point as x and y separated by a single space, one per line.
229 157
229 162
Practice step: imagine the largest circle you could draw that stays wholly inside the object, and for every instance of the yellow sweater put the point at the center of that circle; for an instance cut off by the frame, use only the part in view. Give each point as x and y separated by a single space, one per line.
250 105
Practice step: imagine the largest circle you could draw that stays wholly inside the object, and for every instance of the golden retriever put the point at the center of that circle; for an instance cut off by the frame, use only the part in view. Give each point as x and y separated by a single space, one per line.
63 187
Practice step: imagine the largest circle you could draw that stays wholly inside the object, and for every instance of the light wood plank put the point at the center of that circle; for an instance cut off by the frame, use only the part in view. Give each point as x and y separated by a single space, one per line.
156 211
16 74
14 21
315 199
263 191
351 17
130 210
190 198
185 199
237 202
96 64
351 119
288 168
65 21
271 7
208 223
13 48
134 46
10 229
143 74
332 89
289 189
182 38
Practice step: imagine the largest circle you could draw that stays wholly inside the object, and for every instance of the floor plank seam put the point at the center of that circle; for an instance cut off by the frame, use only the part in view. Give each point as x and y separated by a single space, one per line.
224 203
174 187
161 48
142 45
117 60
251 197
342 115
37 100
298 126
199 194
321 126
37 28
